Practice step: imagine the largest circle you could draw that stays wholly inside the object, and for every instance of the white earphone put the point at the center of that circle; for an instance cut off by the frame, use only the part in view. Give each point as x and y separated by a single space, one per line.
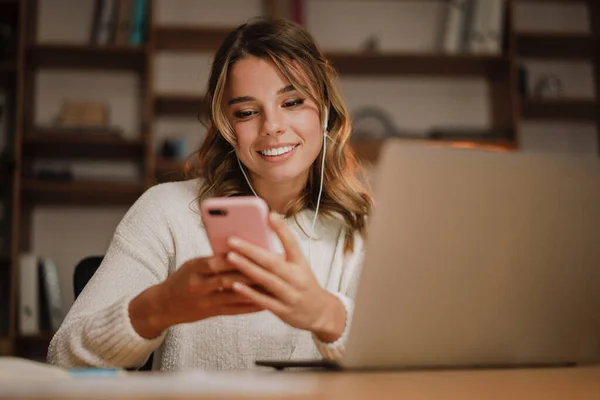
312 228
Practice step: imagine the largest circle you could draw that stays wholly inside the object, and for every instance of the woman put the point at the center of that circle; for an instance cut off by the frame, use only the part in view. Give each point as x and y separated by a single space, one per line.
160 289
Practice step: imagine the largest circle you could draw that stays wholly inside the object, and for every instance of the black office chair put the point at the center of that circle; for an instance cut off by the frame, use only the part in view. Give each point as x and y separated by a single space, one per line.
84 271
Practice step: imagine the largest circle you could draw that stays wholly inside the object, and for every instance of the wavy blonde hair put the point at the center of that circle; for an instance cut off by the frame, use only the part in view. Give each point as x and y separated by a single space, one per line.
293 50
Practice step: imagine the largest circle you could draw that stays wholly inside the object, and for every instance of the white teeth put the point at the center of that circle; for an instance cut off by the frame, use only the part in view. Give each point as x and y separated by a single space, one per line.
277 151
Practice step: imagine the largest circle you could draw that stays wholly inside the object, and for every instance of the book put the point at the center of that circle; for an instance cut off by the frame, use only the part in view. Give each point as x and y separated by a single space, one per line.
138 23
51 306
28 295
478 26
124 22
105 16
494 29
455 21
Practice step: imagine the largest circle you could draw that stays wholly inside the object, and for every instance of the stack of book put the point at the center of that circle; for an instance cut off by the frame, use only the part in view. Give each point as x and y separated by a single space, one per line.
474 26
119 22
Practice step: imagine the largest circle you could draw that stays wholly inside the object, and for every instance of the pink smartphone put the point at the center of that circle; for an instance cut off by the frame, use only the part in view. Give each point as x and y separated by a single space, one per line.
245 217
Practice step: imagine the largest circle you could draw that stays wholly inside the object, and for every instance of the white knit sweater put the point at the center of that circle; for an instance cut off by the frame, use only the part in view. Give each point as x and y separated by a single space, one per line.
159 233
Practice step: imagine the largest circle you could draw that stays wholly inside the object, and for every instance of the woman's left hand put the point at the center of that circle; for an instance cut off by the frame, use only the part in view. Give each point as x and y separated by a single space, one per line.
291 291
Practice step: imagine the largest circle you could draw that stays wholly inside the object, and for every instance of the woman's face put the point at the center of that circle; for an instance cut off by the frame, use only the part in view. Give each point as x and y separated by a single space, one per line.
278 130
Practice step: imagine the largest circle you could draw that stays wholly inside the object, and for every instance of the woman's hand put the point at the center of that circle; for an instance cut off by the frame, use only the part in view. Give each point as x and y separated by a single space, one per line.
201 288
290 289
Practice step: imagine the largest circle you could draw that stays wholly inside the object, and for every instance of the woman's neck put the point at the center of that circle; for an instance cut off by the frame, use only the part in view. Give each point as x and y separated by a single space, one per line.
279 194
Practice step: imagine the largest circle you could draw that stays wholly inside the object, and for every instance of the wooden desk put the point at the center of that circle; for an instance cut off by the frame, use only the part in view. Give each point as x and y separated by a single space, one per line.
545 384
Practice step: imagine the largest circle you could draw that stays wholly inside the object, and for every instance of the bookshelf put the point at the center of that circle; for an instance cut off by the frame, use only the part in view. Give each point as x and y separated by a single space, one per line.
507 109
563 46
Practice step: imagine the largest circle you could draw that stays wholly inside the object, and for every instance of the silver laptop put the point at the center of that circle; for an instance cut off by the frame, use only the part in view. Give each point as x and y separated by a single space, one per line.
478 259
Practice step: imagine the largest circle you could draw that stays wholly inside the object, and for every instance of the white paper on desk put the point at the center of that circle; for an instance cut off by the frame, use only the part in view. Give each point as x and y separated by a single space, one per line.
172 383
14 370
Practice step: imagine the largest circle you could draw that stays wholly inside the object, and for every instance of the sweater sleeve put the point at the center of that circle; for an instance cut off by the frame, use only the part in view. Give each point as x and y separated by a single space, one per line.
97 330
346 292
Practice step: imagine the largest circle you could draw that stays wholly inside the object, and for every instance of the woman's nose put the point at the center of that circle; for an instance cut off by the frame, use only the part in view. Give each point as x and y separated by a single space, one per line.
274 124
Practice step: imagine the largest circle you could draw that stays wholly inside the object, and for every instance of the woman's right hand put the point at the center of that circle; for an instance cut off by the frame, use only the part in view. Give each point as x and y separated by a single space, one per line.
201 288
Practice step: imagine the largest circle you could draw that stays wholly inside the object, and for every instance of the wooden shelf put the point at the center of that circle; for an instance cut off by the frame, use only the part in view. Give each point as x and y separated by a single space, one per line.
560 109
177 104
428 64
189 38
94 146
555 45
85 56
81 193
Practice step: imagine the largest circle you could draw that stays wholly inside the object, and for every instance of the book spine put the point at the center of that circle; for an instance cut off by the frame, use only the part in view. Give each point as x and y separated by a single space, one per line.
28 295
98 6
106 23
478 28
136 37
123 29
43 304
495 32
53 293
457 13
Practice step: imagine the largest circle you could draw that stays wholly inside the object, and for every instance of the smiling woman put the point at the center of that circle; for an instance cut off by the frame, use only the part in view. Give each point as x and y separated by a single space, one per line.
277 128
269 89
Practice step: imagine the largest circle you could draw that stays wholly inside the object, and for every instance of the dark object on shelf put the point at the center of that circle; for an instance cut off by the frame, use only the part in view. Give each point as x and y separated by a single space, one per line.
84 271
370 45
173 149
523 81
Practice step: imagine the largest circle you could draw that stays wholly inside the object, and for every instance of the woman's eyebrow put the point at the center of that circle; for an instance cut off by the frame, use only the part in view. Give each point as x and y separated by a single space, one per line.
243 99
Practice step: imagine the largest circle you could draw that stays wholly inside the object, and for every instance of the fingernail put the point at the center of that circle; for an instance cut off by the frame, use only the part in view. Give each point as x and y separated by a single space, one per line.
234 242
232 256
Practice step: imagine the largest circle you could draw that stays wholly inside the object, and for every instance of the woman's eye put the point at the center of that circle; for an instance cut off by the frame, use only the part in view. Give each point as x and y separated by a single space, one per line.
243 114
293 103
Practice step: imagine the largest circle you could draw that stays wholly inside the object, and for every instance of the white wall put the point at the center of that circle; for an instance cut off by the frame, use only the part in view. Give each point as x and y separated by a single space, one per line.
414 104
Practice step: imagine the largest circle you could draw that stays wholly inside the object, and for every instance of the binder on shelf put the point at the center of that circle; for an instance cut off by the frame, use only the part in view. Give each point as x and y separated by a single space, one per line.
51 307
455 25
28 295
40 304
